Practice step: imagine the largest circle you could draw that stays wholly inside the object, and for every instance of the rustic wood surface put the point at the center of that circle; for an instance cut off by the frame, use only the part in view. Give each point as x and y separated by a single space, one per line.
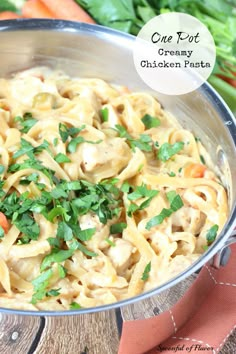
86 334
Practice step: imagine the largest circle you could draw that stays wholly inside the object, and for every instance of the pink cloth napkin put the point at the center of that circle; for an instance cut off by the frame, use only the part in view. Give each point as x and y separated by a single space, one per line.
196 324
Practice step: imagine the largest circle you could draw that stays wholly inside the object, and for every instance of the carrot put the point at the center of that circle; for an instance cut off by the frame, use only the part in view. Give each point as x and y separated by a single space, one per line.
230 81
4 223
68 10
194 170
8 15
36 9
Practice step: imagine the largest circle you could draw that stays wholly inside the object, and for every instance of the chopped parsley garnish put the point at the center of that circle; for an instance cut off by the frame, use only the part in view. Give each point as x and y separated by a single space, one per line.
75 140
166 151
40 285
125 188
2 169
175 204
1 232
53 292
72 146
211 234
31 178
143 143
140 192
76 245
64 231
56 256
27 225
118 228
30 150
26 122
171 174
150 122
104 114
202 160
54 242
62 271
75 306
61 158
110 242
146 272
55 141
66 132
35 164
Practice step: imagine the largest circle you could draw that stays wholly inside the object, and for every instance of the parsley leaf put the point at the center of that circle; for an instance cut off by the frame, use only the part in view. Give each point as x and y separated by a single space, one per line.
28 149
56 256
61 158
75 306
158 219
72 146
110 242
2 169
175 204
54 242
142 191
167 150
66 132
146 272
143 143
53 292
64 231
171 174
27 225
2 234
40 284
174 200
31 178
211 234
26 122
202 160
62 271
125 188
35 164
123 132
76 245
58 192
118 228
150 122
86 234
58 211
104 114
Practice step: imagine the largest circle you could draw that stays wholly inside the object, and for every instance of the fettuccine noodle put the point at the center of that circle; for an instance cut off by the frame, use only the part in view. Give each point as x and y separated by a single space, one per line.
103 194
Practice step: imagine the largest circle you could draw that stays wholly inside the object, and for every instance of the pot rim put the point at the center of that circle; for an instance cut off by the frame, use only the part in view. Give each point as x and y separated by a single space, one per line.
206 90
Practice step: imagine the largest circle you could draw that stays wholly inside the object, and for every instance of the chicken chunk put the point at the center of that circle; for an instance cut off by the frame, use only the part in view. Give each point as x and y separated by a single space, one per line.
107 158
120 254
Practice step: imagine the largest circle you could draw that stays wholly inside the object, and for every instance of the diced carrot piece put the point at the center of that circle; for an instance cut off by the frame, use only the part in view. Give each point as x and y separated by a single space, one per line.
194 170
68 10
4 223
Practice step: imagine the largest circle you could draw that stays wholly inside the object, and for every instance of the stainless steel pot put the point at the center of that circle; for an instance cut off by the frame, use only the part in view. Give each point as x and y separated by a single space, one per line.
93 51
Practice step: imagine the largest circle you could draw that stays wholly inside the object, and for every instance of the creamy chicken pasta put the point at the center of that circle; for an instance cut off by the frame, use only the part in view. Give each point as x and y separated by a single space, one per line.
103 194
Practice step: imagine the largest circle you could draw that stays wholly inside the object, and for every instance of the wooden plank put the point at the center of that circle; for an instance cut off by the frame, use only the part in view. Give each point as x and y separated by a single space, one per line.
17 333
154 305
90 333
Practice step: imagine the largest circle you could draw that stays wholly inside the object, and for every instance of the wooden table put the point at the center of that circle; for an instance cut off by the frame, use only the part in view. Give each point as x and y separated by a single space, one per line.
84 334
88 333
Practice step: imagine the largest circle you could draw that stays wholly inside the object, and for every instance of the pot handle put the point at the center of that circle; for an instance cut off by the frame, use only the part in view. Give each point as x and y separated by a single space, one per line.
222 256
